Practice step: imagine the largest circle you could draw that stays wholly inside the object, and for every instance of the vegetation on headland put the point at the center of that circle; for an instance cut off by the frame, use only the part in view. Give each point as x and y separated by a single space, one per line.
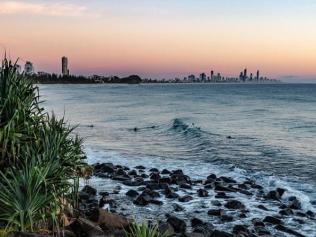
40 159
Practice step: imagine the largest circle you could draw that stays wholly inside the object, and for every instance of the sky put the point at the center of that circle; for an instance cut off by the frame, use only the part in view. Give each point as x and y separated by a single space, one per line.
163 38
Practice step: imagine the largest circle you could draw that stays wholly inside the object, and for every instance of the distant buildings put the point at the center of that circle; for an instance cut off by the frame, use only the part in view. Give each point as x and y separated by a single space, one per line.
28 68
64 66
203 77
191 78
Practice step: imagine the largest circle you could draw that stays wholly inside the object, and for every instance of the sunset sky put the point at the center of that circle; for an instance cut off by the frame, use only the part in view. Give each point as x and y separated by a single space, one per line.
163 38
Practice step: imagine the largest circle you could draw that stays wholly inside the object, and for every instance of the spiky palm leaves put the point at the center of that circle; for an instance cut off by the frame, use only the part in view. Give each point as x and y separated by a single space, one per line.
38 155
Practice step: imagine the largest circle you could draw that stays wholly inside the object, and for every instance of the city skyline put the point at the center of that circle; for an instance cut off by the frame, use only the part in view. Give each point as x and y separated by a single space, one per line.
162 39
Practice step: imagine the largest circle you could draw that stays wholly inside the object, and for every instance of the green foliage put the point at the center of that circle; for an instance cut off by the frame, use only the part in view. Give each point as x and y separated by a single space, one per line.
39 156
144 230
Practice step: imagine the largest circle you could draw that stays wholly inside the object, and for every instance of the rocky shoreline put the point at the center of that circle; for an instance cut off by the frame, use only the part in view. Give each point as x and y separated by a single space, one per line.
222 210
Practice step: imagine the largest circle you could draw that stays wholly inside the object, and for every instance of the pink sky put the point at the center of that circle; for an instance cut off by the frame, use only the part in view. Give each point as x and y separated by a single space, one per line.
158 40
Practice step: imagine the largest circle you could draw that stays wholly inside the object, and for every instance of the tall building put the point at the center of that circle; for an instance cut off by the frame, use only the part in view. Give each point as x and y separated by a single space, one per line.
212 75
64 66
258 75
28 68
203 77
245 74
191 78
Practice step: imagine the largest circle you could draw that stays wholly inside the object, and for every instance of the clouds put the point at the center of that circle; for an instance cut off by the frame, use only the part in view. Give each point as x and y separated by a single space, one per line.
36 8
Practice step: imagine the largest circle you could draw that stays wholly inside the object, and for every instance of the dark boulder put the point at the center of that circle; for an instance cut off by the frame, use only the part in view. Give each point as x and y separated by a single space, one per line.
288 230
142 200
227 218
211 176
165 171
154 170
216 203
262 207
202 193
132 193
272 220
178 225
132 183
132 173
185 186
140 167
156 202
196 221
228 180
185 198
294 203
234 204
286 212
177 207
241 230
89 190
216 212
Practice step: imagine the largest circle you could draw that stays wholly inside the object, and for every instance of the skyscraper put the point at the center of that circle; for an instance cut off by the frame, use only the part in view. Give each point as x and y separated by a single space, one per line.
28 68
245 74
64 66
258 75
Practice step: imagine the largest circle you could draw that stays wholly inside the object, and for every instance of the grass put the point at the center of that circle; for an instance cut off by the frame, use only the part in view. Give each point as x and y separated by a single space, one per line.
39 157
144 230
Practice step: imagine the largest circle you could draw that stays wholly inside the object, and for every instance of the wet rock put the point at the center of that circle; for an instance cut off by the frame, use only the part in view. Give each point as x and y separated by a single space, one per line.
156 202
165 229
84 227
221 188
216 212
185 198
294 203
170 193
301 214
245 192
166 180
177 172
242 215
261 231
227 218
272 220
89 190
121 178
132 183
140 167
211 176
234 204
275 194
241 230
209 186
257 222
300 221
202 193
132 173
286 212
262 207
178 225
83 196
121 172
142 200
216 203
228 180
256 186
144 176
154 176
185 186
132 193
177 207
206 229
165 171
105 168
109 221
154 170
196 221
151 193
310 214
288 230
221 195
218 233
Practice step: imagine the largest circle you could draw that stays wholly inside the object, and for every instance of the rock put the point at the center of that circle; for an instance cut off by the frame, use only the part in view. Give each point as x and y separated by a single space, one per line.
142 200
120 172
178 225
275 194
202 193
153 186
132 183
262 207
165 229
165 180
288 230
84 227
165 171
155 176
272 220
221 188
144 176
110 221
151 193
185 198
216 203
294 203
154 170
209 186
185 186
227 218
257 222
89 190
310 214
156 202
105 168
234 204
177 172
228 180
132 193
121 178
140 167
196 221
241 230
211 176
132 173
261 231
216 212
177 207
218 233
206 229
286 212
221 195
83 196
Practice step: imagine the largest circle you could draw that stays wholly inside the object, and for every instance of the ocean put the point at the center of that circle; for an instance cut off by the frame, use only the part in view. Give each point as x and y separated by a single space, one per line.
265 132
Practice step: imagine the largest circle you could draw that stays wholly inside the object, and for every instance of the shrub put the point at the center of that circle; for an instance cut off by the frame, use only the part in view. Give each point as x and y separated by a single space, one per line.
39 156
144 230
